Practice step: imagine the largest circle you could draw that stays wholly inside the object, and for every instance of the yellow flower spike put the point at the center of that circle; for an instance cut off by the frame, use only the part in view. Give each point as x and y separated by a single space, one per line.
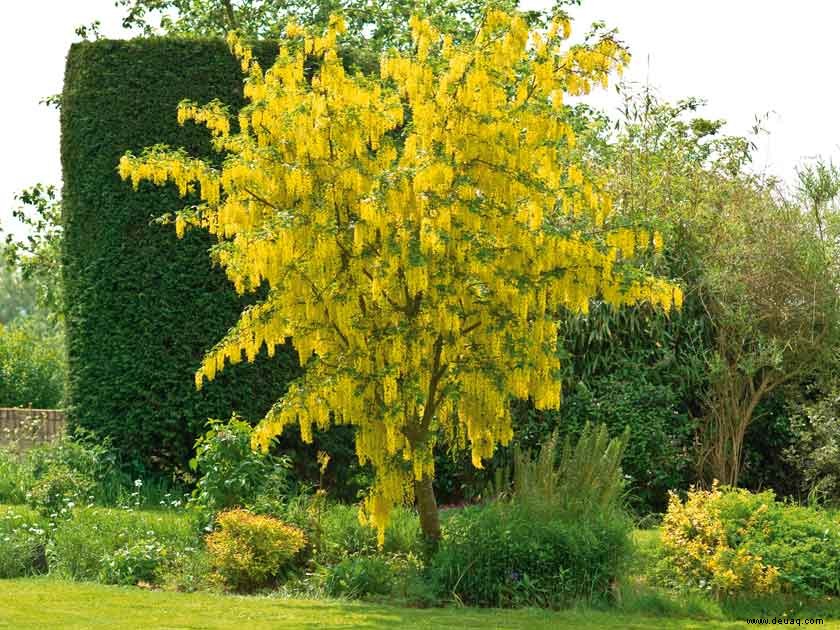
293 29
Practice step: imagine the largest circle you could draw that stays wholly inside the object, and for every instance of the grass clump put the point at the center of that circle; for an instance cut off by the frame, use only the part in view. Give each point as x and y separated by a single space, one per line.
559 534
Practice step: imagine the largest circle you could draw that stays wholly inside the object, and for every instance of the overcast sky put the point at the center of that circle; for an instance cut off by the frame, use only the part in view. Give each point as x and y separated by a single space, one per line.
745 57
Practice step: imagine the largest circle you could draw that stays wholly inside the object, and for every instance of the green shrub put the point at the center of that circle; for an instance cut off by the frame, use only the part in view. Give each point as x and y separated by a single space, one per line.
134 562
343 535
396 575
815 447
735 542
84 455
766 464
333 530
804 543
82 452
82 543
15 478
249 550
59 490
32 367
504 554
186 571
231 472
563 534
659 453
23 536
587 479
359 576
53 473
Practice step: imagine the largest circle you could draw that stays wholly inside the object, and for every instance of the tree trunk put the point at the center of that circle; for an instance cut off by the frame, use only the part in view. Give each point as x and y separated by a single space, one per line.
427 508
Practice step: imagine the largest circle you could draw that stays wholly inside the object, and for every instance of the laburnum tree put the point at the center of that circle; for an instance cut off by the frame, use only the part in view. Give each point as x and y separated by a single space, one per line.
417 232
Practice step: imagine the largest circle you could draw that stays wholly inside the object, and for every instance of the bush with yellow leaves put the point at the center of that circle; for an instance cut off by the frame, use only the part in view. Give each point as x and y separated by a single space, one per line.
249 550
733 542
700 553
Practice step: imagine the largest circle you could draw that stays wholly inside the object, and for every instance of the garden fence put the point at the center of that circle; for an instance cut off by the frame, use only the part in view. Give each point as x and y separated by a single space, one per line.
26 427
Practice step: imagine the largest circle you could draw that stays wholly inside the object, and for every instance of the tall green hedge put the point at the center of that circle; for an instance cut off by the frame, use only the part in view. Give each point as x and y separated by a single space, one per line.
144 307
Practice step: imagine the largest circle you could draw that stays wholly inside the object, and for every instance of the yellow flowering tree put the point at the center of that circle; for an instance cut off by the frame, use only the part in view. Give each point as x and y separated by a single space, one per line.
417 232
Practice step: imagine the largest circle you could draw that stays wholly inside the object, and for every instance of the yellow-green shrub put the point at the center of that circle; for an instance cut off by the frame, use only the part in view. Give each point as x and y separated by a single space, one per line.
249 550
698 552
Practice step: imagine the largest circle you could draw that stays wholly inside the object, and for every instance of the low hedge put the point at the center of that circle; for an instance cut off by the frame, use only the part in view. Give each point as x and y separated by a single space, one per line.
503 554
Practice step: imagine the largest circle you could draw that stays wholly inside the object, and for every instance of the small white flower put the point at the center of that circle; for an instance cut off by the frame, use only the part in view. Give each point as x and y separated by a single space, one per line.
138 483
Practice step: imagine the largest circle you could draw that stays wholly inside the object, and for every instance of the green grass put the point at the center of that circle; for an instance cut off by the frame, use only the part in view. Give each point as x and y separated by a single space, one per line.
49 603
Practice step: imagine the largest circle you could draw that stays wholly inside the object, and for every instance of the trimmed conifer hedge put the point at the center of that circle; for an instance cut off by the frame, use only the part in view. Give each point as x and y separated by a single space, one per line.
144 307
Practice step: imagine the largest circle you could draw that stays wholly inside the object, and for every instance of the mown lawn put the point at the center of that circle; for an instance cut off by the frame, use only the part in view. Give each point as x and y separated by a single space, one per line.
49 603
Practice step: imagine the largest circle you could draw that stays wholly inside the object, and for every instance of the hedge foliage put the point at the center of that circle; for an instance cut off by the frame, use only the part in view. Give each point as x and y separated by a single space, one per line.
143 308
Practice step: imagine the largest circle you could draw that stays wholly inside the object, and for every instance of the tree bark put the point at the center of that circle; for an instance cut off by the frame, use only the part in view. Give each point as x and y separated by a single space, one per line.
424 493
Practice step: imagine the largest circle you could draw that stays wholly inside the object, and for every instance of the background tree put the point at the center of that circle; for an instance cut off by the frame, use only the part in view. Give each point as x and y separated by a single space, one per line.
818 189
17 296
372 27
36 257
32 364
772 302
760 289
32 353
417 233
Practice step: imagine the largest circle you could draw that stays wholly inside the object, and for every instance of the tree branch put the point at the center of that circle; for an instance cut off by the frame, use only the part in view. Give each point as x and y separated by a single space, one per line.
230 15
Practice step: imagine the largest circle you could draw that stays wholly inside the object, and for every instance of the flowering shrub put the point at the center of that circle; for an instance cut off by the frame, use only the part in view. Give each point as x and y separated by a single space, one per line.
133 563
59 490
734 542
82 546
23 535
698 553
248 550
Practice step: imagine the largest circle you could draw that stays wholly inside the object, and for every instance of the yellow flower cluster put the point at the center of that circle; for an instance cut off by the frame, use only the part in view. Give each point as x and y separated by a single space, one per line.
630 241
414 231
698 553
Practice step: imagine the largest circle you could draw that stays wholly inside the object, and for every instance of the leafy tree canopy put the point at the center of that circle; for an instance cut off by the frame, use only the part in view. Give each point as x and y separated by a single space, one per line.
372 27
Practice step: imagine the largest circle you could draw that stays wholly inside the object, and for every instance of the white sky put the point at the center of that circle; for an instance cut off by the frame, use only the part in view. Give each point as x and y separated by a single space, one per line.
745 57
